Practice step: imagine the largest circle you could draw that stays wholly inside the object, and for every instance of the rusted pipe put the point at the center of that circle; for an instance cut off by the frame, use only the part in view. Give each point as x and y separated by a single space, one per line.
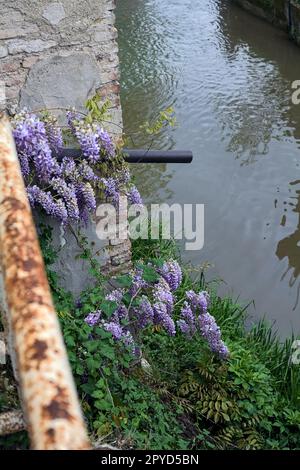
49 399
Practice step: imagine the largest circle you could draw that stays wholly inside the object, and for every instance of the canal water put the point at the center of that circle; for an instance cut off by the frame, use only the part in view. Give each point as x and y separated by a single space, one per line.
228 76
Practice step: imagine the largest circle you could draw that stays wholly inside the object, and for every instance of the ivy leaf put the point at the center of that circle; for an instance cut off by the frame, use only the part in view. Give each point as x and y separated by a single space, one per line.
108 307
103 405
98 394
150 274
92 346
79 369
102 333
101 383
127 299
87 388
125 280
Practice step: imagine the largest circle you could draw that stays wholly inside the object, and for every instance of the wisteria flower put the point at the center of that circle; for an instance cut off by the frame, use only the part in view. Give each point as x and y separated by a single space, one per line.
162 294
93 318
161 317
65 187
171 272
134 196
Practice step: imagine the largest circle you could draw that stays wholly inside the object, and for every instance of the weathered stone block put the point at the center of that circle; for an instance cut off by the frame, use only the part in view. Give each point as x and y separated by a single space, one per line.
18 30
8 67
36 45
74 271
3 51
54 13
29 61
61 81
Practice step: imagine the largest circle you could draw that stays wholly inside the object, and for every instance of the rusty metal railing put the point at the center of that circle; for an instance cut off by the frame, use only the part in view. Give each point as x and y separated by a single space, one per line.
48 395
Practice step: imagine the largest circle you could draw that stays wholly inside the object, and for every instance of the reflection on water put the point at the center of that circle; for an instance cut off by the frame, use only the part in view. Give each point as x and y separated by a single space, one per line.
228 75
155 180
289 247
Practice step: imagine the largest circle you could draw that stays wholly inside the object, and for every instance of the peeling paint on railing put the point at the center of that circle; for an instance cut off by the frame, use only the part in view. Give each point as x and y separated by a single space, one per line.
49 400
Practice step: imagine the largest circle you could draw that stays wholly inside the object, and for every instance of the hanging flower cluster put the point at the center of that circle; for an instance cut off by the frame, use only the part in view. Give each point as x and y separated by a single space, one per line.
194 317
172 273
65 188
152 302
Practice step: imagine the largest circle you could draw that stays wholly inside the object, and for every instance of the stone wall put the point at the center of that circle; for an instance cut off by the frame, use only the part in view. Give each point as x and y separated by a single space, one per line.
57 54
282 13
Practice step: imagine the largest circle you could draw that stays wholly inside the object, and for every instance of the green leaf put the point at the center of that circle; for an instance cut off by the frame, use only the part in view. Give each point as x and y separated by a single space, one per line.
125 280
103 405
108 307
98 394
225 416
92 345
150 274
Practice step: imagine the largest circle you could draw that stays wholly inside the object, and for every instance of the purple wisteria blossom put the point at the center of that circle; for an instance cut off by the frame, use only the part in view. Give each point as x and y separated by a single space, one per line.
105 142
94 141
54 136
121 312
212 333
134 196
87 173
195 317
119 333
73 118
171 272
69 169
115 295
161 317
144 313
24 163
45 166
32 143
138 282
86 136
130 343
55 208
184 327
162 294
86 195
93 318
111 189
65 188
124 176
198 301
88 142
68 193
187 322
115 329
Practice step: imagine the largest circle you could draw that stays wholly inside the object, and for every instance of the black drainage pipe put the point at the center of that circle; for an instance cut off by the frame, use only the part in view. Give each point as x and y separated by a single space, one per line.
141 155
157 156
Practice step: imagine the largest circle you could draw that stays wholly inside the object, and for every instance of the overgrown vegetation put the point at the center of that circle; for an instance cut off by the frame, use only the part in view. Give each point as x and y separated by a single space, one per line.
151 368
177 394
